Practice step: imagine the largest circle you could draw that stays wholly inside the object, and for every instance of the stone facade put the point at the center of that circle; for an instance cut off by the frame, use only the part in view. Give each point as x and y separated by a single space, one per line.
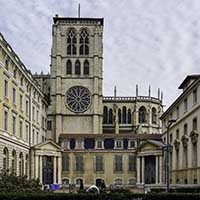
90 137
184 133
23 112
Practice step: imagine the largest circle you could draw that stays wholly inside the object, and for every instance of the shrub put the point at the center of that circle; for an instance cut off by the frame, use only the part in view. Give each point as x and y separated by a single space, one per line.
113 196
9 182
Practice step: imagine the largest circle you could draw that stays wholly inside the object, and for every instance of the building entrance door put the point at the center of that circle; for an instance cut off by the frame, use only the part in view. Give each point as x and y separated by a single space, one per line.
150 170
47 170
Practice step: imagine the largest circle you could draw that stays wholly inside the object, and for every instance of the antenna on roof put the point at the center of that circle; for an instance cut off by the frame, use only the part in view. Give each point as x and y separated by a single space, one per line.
79 10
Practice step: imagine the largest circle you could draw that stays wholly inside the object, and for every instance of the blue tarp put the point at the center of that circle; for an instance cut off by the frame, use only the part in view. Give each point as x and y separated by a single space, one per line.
54 186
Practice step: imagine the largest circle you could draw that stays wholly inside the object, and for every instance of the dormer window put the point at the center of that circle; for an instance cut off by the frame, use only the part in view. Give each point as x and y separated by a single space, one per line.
131 144
65 144
118 144
79 144
99 144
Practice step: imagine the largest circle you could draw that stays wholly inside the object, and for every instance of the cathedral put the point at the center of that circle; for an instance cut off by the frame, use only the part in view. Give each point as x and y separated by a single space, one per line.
59 128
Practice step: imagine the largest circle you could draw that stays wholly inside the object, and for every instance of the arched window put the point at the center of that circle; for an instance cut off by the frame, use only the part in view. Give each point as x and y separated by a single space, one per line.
69 67
110 116
86 69
84 42
5 159
71 42
26 165
154 116
14 162
129 116
65 181
79 181
142 114
105 114
118 181
124 115
132 181
77 67
119 116
21 164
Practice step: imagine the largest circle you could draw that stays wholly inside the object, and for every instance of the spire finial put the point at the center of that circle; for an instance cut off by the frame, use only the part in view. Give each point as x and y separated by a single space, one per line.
162 96
149 90
136 90
115 91
79 10
158 93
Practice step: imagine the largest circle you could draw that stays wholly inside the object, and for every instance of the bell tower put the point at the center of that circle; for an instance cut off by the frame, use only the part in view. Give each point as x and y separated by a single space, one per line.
76 76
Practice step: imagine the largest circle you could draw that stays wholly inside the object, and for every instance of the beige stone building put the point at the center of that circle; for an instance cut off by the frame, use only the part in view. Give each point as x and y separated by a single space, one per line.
184 134
90 137
22 112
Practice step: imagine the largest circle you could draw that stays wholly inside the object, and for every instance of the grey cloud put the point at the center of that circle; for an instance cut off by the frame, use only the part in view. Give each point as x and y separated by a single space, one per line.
145 42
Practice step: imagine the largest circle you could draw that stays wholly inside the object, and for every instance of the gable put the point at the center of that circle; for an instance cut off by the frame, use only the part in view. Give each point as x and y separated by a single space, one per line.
48 145
151 144
148 146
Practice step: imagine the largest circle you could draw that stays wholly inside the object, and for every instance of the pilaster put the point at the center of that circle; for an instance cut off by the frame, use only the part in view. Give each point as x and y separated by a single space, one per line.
157 169
59 169
138 170
41 169
36 166
143 169
54 169
161 169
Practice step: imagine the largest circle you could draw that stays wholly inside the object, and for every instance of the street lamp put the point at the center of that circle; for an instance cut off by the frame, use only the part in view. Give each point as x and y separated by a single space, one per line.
170 122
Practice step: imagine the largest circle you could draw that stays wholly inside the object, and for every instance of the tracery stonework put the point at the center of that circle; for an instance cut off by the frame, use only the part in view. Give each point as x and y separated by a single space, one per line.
78 99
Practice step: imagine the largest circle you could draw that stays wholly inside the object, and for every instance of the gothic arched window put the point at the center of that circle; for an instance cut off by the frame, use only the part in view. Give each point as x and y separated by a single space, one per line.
105 115
142 114
84 42
14 162
124 115
119 116
154 116
71 42
86 68
21 164
110 118
69 67
77 67
5 159
129 116
26 165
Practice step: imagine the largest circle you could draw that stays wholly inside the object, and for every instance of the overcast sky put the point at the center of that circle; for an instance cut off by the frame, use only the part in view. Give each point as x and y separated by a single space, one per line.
146 42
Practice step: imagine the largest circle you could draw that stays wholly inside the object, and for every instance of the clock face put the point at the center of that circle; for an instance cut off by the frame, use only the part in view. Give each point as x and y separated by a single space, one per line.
78 99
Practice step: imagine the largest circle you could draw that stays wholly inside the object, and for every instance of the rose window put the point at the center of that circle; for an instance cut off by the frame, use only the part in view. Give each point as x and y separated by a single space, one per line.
78 99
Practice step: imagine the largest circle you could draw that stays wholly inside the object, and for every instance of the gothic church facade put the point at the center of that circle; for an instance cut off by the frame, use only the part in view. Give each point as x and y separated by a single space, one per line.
68 131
